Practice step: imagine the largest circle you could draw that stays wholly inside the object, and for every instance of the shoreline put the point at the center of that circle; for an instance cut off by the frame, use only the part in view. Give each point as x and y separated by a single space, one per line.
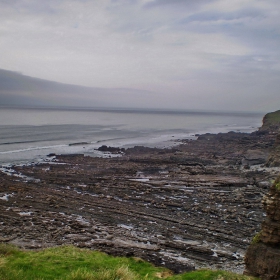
165 141
195 205
29 136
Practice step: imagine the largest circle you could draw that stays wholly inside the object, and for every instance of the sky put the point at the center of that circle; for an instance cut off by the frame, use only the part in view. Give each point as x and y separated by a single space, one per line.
185 54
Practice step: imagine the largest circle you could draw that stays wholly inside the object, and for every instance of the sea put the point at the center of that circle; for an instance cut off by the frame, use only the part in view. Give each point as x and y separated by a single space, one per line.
29 135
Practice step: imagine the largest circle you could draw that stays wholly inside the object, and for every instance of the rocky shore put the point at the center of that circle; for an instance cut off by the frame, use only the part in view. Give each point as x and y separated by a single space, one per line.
195 205
263 255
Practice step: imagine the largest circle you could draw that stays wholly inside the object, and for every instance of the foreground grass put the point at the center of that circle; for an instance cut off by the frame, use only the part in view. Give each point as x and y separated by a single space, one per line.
71 263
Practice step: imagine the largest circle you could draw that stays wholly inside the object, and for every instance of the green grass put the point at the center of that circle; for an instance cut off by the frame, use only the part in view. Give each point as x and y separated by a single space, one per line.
276 184
71 263
257 238
272 118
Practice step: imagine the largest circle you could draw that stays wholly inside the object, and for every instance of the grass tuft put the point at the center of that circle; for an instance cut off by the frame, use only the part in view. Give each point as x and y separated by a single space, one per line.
8 249
257 238
3 261
121 273
80 274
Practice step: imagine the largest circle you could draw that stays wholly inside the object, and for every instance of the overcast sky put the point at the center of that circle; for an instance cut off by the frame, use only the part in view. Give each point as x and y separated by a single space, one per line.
187 54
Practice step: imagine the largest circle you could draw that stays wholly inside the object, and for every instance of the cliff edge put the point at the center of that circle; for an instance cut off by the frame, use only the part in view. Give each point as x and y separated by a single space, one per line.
271 123
263 255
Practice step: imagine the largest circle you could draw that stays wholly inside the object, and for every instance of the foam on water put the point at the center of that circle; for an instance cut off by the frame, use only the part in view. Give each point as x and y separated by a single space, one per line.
30 135
6 196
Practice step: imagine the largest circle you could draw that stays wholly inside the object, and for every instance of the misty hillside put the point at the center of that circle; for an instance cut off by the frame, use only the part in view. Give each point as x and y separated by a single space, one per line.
17 89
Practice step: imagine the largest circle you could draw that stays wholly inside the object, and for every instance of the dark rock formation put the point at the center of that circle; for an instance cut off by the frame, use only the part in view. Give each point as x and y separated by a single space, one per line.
109 149
263 255
274 158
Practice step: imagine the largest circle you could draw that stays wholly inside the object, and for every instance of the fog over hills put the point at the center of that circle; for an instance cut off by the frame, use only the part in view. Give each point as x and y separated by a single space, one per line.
17 89
209 55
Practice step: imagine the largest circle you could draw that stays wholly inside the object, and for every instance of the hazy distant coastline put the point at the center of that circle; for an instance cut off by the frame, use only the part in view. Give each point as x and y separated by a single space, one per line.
17 89
20 91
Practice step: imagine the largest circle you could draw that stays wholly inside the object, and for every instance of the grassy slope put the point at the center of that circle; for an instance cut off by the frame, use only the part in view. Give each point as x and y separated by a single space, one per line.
272 118
71 263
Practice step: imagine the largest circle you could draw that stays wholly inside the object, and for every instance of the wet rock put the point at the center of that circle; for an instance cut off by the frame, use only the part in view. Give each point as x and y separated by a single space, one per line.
263 256
193 206
105 148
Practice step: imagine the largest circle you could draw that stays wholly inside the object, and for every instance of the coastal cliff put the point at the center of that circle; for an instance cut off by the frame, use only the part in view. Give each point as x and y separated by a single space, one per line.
271 123
262 258
271 127
274 158
263 255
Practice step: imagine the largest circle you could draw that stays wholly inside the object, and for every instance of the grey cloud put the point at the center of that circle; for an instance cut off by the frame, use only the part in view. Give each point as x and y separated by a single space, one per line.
251 26
177 53
212 16
33 6
184 3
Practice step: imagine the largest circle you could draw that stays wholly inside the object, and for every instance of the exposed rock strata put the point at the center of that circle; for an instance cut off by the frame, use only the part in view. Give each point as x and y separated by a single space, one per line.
196 205
263 256
274 158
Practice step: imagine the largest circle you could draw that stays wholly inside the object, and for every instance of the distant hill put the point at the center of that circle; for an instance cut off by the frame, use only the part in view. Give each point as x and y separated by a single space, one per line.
17 89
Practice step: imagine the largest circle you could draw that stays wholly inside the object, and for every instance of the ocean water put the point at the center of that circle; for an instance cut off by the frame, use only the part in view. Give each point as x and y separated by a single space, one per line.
29 135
